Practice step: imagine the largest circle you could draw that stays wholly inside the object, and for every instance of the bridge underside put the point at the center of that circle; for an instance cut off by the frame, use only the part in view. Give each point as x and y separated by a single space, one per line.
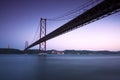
103 9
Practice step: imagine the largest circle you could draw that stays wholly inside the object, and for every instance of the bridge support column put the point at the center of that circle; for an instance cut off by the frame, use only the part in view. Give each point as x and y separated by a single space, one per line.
42 46
26 45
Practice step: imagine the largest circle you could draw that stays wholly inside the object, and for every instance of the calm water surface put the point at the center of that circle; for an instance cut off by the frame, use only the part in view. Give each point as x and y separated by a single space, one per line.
59 67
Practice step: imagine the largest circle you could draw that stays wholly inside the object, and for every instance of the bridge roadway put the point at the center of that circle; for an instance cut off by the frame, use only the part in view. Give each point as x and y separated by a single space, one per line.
103 9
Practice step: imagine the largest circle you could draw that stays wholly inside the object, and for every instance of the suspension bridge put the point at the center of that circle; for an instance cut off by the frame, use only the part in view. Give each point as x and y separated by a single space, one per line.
96 12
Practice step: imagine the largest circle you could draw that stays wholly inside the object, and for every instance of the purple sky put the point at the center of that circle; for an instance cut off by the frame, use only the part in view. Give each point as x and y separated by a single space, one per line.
19 20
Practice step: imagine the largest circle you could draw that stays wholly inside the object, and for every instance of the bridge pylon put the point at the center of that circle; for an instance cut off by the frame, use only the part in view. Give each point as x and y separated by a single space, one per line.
8 46
42 46
26 45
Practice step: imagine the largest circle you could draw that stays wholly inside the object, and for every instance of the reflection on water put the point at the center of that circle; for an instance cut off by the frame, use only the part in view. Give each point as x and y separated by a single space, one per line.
59 67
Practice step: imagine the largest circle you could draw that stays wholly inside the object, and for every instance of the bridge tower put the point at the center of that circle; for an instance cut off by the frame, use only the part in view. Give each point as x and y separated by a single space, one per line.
8 46
42 46
26 45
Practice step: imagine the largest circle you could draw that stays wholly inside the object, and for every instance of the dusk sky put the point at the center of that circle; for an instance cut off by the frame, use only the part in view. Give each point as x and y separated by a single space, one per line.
19 20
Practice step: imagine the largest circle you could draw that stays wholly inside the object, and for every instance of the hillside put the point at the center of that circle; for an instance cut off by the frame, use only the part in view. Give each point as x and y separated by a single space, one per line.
10 51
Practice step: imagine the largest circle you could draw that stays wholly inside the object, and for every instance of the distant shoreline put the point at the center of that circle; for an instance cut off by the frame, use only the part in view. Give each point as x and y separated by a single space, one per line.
36 51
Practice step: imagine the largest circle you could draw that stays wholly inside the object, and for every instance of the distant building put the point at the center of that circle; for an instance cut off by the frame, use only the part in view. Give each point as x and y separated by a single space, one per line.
57 52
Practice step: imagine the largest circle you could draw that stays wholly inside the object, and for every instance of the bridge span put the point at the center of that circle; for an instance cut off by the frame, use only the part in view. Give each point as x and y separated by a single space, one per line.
101 10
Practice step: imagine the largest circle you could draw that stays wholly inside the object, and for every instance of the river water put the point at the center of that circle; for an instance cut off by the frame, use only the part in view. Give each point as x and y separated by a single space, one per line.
59 67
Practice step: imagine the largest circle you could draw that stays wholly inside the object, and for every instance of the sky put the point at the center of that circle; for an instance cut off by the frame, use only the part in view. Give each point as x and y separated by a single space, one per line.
19 20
